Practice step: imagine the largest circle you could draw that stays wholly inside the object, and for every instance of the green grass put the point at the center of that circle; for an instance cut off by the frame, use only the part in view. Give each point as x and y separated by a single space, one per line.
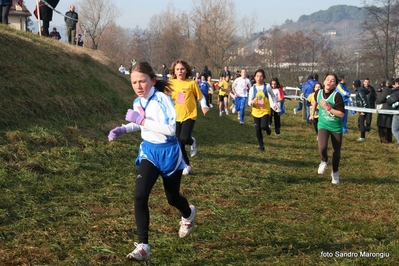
66 193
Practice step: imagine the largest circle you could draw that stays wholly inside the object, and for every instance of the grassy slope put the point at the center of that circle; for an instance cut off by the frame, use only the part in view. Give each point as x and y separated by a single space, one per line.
66 193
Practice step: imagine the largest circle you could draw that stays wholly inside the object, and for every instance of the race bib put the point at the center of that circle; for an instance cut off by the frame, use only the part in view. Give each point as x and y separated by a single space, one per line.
180 97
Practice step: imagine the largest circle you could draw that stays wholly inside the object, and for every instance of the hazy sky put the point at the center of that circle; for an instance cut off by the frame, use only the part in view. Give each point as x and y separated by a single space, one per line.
275 12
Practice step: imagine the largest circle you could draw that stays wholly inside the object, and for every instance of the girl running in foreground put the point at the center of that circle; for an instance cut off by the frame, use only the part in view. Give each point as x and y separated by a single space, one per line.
159 154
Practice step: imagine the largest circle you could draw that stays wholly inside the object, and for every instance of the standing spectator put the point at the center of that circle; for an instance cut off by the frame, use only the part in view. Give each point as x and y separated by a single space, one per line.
361 101
55 34
159 154
225 72
241 85
393 101
276 104
194 72
80 40
372 96
71 19
331 111
165 72
206 72
186 93
346 95
384 121
5 6
46 14
260 95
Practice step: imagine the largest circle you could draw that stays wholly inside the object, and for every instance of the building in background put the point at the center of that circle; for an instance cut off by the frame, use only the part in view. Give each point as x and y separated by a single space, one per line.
18 16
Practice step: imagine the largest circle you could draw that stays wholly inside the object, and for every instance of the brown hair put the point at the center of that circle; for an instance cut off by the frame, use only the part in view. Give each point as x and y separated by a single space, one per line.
145 68
186 66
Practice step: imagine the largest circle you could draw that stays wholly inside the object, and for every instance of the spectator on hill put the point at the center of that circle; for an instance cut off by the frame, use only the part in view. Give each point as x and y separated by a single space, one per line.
165 72
5 6
372 96
159 154
79 40
55 34
186 93
331 111
362 101
346 95
122 69
71 19
46 14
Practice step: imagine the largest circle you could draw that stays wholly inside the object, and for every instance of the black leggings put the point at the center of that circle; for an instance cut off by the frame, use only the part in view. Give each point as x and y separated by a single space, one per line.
360 124
183 134
336 140
145 180
261 123
277 121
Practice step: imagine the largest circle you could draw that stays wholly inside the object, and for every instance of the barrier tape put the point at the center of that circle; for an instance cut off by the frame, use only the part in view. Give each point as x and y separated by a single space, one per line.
370 110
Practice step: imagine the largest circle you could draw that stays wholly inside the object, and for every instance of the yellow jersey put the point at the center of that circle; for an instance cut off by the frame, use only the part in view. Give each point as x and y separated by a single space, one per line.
185 95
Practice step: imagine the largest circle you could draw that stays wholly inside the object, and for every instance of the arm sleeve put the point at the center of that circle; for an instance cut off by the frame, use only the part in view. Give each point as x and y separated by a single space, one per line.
339 103
131 127
271 95
250 95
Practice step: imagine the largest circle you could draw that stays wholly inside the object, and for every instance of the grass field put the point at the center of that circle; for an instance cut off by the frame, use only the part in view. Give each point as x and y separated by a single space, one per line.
66 193
68 200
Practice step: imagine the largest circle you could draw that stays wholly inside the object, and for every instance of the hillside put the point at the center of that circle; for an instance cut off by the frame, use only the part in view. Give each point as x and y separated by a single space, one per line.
340 23
46 83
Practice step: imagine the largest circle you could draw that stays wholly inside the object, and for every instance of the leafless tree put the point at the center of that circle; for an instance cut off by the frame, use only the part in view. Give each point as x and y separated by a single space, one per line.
95 16
380 40
215 32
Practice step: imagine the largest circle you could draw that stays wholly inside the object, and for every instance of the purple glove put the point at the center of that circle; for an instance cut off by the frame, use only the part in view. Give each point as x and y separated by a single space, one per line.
134 116
116 132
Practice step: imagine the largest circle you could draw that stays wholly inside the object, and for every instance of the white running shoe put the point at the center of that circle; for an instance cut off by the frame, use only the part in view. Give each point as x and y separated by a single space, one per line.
140 253
227 112
334 178
295 111
193 148
187 169
211 105
187 225
233 110
322 167
238 115
361 139
220 114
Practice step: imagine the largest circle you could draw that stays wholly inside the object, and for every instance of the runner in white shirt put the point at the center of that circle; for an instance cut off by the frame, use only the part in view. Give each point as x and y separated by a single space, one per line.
240 88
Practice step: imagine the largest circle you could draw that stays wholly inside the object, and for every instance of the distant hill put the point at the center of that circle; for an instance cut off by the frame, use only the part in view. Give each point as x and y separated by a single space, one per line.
340 23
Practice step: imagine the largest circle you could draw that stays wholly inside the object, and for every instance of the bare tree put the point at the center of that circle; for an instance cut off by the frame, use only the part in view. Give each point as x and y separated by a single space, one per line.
215 29
380 41
95 16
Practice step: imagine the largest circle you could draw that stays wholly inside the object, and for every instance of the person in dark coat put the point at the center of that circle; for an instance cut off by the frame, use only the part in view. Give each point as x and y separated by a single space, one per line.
5 6
384 121
46 14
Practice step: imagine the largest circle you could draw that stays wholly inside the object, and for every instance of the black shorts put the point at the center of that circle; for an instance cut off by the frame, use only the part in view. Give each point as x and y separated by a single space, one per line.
221 97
